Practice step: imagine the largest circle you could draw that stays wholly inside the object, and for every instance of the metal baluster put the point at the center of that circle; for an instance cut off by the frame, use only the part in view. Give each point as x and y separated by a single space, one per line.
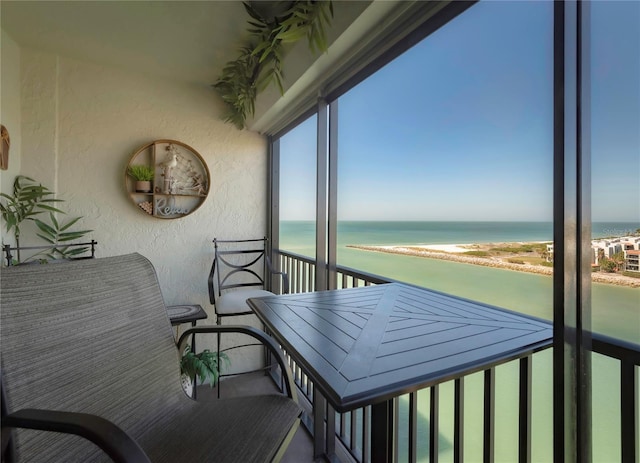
413 427
458 421
489 414
629 405
434 418
303 277
331 430
366 434
524 446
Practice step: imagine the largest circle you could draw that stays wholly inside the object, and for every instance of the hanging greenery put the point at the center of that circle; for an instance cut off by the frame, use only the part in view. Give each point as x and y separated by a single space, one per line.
260 63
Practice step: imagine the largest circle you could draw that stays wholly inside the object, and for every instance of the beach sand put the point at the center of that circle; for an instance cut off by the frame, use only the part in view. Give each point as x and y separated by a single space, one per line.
456 253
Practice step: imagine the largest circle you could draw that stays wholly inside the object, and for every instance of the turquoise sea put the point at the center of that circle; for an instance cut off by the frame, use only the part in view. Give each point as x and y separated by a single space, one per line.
615 312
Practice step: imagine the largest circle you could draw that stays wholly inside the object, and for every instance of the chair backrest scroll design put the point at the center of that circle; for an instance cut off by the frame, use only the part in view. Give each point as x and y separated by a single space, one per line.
237 264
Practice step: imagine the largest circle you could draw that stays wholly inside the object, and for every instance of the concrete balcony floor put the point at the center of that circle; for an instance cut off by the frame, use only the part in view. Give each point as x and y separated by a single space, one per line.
300 449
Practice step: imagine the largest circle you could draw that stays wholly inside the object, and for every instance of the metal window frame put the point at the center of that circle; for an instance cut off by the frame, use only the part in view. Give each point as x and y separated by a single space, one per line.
572 234
322 191
273 207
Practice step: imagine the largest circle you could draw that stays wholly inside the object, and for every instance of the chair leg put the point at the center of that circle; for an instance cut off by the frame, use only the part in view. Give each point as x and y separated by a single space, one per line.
193 349
219 322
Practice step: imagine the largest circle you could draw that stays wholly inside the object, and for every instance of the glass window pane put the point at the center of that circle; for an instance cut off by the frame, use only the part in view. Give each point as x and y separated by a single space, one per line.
452 143
615 173
298 189
447 152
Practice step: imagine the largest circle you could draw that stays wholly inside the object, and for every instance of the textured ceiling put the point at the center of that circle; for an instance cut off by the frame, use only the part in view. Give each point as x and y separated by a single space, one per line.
189 41
185 40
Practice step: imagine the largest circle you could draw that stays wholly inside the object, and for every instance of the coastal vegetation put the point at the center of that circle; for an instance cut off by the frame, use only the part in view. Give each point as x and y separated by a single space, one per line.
523 257
477 253
632 274
611 264
518 248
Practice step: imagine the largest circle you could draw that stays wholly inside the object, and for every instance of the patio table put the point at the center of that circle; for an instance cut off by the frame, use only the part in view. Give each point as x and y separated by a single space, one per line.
365 346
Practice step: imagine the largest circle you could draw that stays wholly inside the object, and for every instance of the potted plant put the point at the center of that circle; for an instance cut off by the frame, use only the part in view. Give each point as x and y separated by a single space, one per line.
203 365
143 175
29 200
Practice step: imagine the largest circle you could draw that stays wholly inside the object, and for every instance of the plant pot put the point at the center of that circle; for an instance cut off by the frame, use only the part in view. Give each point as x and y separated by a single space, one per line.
143 186
187 384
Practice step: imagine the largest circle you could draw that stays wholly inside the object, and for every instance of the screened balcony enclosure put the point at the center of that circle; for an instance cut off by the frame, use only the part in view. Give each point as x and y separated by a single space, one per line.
481 123
450 130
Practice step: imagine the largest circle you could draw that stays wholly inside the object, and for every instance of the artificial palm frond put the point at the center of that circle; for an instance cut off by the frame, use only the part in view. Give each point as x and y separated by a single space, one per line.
260 63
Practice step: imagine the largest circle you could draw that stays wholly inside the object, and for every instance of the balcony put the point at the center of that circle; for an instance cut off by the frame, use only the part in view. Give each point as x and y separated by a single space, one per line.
431 423
84 85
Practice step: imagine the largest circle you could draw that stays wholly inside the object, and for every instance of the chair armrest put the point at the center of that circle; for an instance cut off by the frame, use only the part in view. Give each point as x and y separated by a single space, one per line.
106 435
255 333
285 277
212 291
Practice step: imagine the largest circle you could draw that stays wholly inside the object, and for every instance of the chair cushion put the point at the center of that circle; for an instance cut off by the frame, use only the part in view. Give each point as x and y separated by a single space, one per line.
243 429
235 302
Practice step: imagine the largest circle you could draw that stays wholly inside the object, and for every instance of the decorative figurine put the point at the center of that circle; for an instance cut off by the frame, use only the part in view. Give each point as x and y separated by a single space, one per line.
167 169
199 184
5 143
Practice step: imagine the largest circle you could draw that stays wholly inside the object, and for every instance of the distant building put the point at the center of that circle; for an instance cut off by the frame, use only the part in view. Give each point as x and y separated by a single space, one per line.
605 249
631 243
632 260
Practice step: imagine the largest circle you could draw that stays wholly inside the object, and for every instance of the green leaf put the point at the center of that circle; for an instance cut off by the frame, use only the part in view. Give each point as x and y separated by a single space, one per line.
278 79
76 251
54 221
46 238
45 228
72 235
292 35
252 12
259 25
203 365
260 48
265 80
69 224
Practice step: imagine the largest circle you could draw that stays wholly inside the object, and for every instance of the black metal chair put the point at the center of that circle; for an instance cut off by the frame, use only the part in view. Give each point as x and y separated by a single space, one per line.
240 271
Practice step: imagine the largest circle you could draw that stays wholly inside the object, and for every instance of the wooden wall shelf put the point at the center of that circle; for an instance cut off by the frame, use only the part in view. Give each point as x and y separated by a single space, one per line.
181 179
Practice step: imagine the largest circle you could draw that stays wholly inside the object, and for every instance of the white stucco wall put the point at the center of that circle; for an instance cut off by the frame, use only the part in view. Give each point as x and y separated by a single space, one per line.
81 122
10 112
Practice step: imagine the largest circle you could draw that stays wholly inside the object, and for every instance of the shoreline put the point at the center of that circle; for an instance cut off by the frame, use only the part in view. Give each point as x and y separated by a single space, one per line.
455 253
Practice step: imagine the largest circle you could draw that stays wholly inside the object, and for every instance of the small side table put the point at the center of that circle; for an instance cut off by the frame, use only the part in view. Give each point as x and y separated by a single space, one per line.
188 313
179 314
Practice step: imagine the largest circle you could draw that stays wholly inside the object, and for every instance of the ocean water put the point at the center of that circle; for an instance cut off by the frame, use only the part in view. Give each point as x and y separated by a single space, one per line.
615 309
299 236
615 312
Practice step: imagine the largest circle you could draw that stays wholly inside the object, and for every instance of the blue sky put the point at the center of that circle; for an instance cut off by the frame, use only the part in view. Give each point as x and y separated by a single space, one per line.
460 126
